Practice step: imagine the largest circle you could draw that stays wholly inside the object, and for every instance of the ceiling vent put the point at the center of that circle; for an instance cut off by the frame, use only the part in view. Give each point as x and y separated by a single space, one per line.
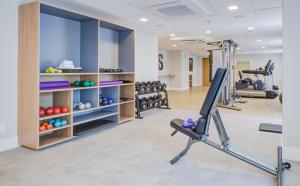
175 11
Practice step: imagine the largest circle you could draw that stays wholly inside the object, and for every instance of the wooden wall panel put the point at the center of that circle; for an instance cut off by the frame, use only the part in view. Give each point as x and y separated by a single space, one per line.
28 87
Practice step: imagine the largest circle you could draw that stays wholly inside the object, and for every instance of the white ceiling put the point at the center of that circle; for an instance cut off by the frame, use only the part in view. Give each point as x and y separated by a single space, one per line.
264 15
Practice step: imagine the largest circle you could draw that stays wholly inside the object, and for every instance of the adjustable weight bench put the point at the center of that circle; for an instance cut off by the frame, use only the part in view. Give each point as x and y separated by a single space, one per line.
200 133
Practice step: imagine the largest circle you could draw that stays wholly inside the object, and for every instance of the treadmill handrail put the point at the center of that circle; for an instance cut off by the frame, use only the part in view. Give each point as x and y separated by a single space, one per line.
261 72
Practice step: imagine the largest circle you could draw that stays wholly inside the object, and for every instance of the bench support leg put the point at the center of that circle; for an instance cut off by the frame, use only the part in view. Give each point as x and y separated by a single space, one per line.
185 150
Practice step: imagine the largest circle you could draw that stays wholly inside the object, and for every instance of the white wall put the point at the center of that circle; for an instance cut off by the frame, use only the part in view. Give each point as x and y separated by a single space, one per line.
146 60
176 62
291 88
9 72
197 70
176 69
260 60
166 67
180 68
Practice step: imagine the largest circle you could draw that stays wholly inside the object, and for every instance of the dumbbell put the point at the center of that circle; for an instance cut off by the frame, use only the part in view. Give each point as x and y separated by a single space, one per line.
142 83
165 101
159 87
141 89
143 104
150 102
137 86
154 88
155 102
148 88
148 83
160 101
163 86
103 101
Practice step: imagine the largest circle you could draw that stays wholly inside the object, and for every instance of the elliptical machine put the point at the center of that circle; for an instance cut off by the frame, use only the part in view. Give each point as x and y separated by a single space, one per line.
258 88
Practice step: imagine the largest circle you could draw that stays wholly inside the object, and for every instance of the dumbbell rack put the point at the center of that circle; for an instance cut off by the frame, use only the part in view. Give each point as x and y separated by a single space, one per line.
137 101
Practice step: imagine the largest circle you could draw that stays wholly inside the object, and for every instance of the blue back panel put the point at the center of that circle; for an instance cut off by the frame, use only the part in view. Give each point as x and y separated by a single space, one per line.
59 40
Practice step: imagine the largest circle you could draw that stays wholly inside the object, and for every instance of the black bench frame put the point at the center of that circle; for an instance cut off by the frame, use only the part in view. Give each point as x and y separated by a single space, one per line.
201 134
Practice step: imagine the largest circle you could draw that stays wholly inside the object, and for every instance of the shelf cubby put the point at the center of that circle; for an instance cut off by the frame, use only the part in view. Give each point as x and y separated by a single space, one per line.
95 125
127 111
117 46
55 137
94 115
127 91
67 36
86 96
109 92
51 99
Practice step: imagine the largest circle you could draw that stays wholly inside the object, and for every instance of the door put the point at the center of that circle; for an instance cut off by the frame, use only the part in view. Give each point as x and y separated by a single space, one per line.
205 72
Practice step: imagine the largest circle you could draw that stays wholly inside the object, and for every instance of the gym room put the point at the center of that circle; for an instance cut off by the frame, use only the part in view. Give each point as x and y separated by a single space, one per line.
149 92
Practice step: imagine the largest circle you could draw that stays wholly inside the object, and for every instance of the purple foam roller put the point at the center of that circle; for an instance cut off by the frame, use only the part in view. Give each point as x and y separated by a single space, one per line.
54 84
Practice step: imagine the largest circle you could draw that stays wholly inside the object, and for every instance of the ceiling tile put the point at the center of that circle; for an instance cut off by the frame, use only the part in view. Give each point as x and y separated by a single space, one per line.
264 4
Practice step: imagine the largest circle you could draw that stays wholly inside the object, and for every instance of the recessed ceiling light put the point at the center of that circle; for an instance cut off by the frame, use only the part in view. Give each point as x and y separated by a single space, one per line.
174 45
258 40
245 52
208 32
172 35
233 7
251 28
263 47
144 19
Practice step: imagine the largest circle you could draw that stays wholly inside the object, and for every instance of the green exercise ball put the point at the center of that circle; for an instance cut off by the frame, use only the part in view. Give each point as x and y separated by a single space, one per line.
92 83
84 83
76 84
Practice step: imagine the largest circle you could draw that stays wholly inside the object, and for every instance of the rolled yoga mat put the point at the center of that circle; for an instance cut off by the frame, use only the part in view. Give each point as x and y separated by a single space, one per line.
110 82
54 84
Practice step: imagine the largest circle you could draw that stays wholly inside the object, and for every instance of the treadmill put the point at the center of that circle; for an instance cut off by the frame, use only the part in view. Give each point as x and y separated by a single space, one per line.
269 91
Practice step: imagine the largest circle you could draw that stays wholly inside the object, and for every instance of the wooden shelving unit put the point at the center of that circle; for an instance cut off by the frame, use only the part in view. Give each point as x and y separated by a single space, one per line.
87 41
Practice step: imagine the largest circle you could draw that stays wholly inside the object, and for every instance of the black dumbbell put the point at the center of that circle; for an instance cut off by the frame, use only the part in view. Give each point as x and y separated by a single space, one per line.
150 102
154 88
142 83
154 97
160 102
143 104
142 89
165 101
159 87
155 102
163 86
148 88
137 86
